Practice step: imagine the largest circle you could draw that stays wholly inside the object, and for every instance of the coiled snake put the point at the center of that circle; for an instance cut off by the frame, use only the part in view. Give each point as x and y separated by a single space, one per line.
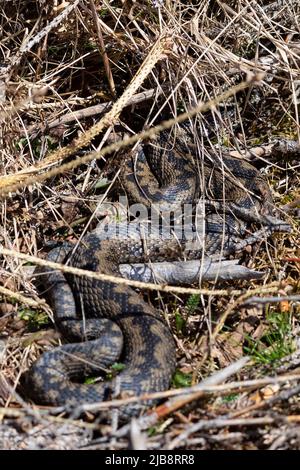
115 320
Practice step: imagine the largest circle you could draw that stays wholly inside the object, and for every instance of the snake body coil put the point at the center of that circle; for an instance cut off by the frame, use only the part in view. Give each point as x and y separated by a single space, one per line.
114 319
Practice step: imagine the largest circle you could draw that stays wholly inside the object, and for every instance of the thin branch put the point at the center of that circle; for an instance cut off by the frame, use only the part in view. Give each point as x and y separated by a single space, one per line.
22 298
271 300
128 282
102 49
89 111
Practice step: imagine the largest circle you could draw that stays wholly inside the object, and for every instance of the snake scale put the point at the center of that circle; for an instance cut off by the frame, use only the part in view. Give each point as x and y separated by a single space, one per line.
113 320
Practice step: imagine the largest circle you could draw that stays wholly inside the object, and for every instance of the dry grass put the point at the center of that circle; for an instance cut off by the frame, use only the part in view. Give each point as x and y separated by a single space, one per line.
58 66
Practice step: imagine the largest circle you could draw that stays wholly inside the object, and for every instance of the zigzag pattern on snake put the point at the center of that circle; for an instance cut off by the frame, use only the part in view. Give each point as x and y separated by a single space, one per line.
108 322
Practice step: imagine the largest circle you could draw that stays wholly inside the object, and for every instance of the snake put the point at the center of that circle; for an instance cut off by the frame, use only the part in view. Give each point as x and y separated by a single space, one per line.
104 321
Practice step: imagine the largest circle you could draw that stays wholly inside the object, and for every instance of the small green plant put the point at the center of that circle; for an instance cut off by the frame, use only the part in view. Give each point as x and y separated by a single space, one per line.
118 367
180 379
36 319
37 146
90 46
90 380
103 12
152 431
21 143
277 342
102 183
287 198
114 369
180 322
192 303
230 398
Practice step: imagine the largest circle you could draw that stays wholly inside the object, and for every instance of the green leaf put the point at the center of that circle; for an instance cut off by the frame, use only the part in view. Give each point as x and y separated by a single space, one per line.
118 367
102 183
36 318
180 322
90 380
193 302
181 379
231 397
277 341
152 431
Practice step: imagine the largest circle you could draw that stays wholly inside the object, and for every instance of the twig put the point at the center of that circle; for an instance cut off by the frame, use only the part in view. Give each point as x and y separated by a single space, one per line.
96 109
180 393
203 390
137 439
22 298
286 435
277 148
102 49
188 395
218 423
271 300
284 395
220 376
128 282
289 362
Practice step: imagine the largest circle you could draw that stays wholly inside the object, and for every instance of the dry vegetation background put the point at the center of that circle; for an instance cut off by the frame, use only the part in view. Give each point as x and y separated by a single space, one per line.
62 65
